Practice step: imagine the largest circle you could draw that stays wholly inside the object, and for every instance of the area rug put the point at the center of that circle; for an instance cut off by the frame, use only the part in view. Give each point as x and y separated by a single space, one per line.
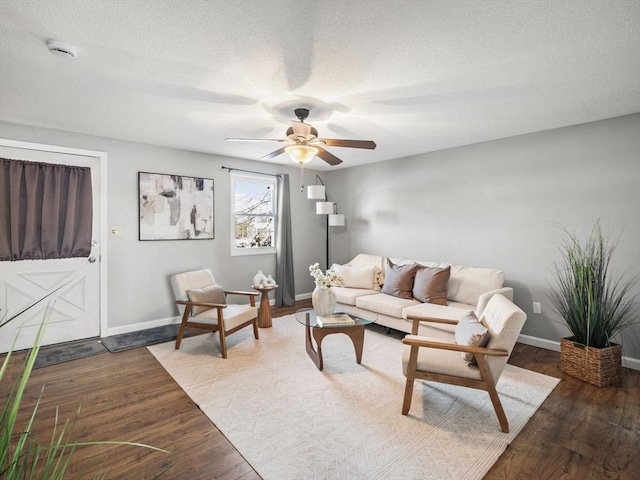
291 421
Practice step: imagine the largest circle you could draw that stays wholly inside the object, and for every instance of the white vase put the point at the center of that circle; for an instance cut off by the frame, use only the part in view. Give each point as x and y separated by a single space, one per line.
259 279
269 281
323 300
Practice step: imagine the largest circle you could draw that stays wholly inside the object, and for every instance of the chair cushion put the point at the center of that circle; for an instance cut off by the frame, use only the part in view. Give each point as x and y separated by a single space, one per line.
435 360
208 294
233 315
398 280
471 332
430 284
356 277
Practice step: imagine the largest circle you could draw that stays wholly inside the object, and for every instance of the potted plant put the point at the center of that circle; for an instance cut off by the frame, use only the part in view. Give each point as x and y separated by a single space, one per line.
595 307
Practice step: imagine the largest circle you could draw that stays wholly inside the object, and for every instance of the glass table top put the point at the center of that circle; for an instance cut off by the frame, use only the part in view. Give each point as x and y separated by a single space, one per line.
307 316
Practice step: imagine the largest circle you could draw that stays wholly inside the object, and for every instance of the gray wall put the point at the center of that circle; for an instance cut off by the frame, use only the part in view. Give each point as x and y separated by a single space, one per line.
500 204
138 272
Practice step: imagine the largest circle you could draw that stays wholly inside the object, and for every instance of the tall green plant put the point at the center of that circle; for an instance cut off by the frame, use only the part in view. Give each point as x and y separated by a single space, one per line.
22 456
594 305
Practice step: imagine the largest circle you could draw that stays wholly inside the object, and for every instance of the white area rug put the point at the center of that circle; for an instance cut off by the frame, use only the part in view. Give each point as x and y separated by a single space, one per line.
292 421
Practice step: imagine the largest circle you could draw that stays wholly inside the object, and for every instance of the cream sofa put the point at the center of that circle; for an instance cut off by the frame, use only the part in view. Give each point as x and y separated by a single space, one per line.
469 289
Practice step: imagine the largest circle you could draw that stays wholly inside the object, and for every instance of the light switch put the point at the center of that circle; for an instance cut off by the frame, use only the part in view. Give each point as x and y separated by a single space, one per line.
537 308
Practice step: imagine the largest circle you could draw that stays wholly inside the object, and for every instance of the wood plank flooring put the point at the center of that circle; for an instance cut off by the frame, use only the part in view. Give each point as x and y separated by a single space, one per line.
580 432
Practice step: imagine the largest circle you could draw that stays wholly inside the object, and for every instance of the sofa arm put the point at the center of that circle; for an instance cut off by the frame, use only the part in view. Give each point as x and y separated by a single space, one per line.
485 297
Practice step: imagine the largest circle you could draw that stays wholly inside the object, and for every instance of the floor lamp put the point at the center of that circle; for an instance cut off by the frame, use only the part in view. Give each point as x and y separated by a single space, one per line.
324 207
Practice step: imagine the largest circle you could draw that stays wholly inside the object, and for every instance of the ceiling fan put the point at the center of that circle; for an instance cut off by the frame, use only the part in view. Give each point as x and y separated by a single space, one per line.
305 143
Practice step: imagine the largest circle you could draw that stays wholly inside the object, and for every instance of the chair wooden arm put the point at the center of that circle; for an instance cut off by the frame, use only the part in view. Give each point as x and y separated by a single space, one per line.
200 304
432 319
252 295
416 319
238 292
419 342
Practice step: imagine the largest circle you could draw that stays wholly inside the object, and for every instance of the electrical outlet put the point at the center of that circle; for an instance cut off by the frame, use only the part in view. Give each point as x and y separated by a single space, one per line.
537 308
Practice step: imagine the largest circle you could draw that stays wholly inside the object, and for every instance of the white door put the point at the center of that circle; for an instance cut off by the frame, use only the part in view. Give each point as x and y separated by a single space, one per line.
75 305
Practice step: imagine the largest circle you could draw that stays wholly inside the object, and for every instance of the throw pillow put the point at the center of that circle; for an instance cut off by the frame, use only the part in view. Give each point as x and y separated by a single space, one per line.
210 294
470 331
430 285
398 280
356 277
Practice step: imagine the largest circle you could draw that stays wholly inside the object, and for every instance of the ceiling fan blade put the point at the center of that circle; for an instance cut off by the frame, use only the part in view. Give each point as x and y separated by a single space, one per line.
258 140
335 142
328 157
274 154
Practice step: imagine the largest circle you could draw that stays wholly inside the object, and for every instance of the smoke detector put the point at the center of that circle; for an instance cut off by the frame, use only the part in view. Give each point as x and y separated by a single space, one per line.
61 49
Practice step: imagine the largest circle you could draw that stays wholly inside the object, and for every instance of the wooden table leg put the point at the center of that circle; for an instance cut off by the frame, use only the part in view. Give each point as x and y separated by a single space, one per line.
356 334
264 313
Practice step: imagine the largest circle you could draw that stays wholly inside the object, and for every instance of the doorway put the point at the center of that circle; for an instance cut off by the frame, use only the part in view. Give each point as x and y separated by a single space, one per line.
78 304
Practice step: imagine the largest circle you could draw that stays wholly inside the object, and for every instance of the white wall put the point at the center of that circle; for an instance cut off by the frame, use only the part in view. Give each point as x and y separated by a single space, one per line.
500 204
138 272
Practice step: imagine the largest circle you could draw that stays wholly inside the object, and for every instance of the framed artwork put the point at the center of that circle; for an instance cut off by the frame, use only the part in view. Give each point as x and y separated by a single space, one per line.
174 207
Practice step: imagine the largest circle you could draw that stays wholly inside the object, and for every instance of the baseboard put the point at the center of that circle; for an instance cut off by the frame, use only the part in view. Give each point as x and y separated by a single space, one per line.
628 362
134 327
303 296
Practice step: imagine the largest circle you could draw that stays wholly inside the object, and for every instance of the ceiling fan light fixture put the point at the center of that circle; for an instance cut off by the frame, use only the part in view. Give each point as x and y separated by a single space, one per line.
301 153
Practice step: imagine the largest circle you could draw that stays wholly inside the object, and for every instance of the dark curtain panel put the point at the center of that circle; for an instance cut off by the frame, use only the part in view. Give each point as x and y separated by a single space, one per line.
46 210
285 293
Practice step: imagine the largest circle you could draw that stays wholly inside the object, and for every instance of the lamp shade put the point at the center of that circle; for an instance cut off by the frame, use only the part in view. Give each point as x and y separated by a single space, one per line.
316 192
336 220
324 208
301 153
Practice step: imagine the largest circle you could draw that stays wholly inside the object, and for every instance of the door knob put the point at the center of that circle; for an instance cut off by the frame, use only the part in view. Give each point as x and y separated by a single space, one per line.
92 260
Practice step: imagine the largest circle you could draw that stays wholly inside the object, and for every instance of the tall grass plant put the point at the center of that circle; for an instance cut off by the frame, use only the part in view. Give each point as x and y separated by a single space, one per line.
595 305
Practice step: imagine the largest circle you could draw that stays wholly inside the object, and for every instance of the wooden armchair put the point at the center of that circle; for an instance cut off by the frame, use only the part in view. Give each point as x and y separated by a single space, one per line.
202 304
438 361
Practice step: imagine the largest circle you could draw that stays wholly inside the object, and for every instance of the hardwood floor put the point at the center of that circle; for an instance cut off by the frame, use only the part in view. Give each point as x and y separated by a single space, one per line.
580 431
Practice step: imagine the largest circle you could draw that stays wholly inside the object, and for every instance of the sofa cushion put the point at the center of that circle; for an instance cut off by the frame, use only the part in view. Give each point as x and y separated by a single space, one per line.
209 294
466 284
348 296
385 304
398 280
356 277
430 285
471 332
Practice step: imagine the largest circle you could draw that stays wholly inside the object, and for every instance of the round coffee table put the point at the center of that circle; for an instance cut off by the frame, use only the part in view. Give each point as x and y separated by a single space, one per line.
355 331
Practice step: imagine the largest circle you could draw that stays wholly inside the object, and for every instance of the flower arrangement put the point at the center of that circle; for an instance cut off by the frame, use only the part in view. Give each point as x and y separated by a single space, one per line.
325 280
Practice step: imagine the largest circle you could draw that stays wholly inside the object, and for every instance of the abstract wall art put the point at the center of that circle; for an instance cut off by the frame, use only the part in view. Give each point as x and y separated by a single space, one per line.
174 207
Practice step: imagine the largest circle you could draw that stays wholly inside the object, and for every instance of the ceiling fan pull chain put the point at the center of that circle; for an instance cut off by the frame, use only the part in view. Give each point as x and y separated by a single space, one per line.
301 177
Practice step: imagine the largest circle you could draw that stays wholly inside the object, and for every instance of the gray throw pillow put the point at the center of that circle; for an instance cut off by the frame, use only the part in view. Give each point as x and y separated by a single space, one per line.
398 280
471 332
431 284
210 294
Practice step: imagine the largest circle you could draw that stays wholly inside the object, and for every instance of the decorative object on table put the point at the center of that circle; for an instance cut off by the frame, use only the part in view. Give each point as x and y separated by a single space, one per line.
322 298
336 319
174 207
594 306
259 279
269 282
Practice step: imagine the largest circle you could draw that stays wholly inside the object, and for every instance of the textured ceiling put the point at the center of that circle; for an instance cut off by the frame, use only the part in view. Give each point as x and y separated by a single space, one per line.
414 76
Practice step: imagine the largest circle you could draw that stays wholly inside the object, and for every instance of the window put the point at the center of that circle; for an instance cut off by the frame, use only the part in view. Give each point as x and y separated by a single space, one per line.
253 214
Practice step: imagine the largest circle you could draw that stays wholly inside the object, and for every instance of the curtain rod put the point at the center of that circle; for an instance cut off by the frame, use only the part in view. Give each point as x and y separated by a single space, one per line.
251 171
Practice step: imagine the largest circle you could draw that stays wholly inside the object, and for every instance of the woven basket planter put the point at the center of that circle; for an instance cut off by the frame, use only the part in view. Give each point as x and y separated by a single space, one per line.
597 366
